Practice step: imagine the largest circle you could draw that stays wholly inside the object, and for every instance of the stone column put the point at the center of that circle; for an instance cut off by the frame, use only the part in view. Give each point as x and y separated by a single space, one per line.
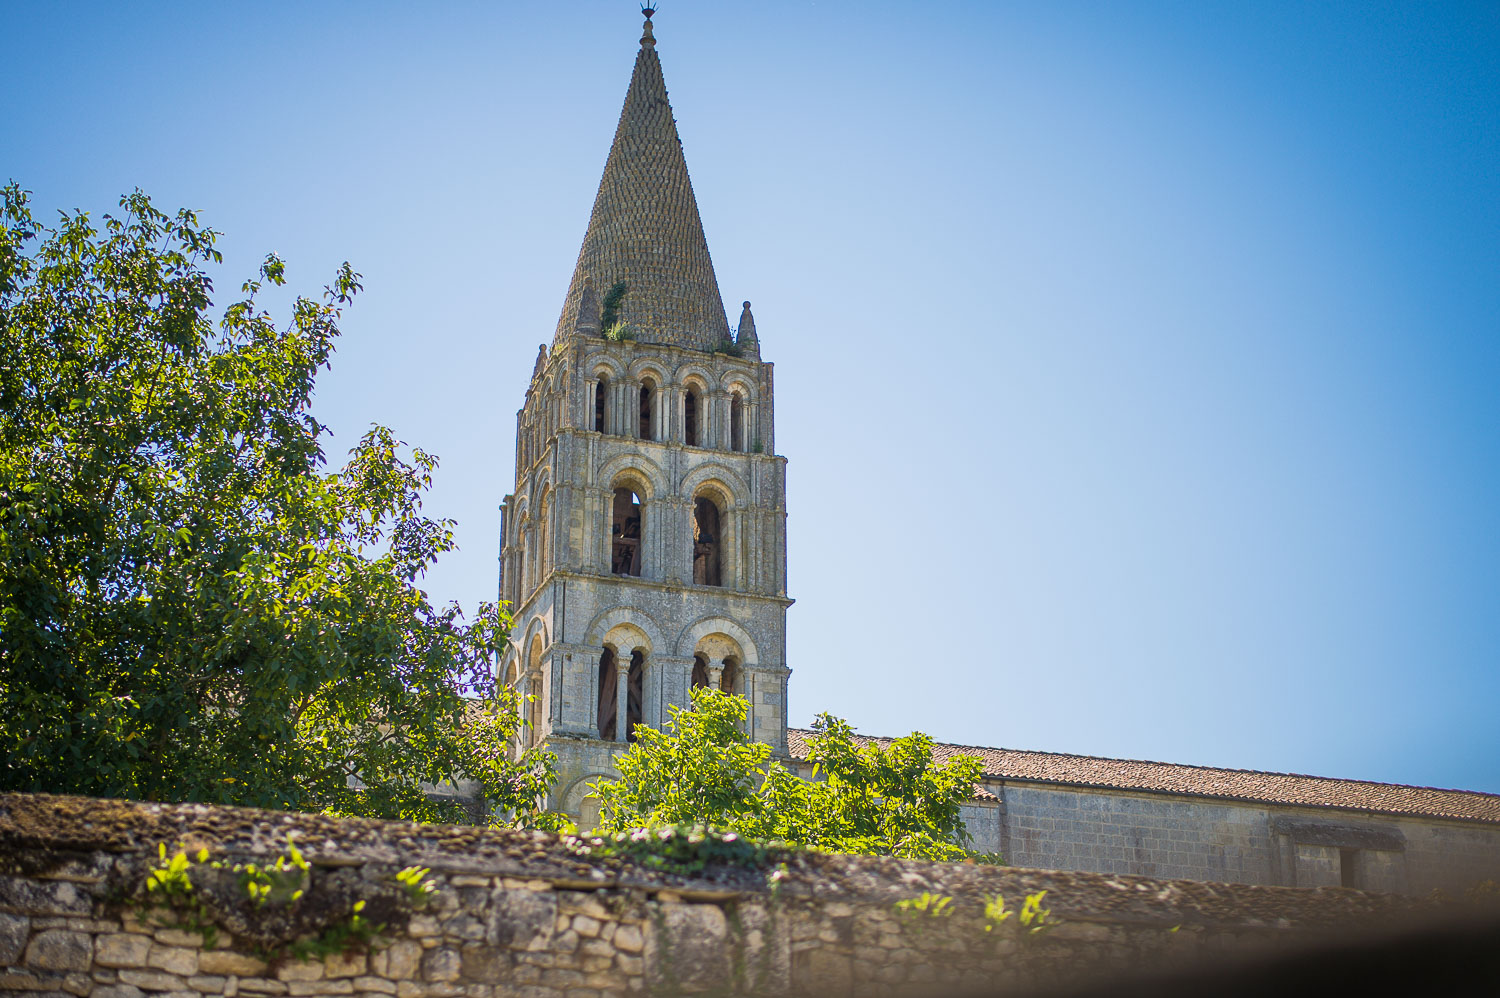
622 695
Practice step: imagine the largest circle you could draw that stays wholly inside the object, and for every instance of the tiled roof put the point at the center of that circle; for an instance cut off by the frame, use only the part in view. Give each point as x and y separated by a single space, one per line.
645 228
1206 781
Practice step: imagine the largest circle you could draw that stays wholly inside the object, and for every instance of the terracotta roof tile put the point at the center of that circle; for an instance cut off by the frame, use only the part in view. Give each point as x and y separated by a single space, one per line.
1206 781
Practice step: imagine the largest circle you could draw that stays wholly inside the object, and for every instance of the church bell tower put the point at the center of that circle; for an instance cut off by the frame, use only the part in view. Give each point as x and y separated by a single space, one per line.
643 551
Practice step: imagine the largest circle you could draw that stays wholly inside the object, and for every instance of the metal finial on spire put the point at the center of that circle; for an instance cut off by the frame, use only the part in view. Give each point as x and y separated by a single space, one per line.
648 9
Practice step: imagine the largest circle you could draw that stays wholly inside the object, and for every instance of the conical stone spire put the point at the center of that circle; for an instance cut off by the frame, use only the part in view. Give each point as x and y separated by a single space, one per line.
747 341
645 228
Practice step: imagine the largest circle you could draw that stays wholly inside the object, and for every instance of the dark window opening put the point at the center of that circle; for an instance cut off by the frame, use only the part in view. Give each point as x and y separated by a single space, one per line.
601 393
706 568
1349 867
625 530
700 672
608 694
690 419
729 680
647 391
736 423
534 705
634 696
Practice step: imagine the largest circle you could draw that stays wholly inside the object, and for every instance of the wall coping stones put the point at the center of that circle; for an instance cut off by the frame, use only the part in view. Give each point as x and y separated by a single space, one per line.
40 834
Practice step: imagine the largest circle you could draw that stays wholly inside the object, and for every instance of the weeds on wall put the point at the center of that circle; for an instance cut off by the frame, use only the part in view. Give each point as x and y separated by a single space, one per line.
683 849
273 906
919 912
609 313
1032 917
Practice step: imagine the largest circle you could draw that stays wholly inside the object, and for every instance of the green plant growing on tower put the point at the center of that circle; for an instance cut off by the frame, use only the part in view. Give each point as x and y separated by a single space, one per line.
610 325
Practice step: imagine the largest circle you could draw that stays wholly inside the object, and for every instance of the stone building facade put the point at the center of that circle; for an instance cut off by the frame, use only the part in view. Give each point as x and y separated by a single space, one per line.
644 551
644 548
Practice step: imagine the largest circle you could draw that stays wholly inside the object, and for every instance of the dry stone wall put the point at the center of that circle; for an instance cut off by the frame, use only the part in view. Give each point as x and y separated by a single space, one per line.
519 913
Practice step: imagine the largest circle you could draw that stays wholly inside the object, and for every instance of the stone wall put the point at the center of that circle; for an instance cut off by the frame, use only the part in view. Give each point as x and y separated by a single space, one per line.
1173 836
527 914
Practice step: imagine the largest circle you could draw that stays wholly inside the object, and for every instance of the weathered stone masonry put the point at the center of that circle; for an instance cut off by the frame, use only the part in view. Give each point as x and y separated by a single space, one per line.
520 914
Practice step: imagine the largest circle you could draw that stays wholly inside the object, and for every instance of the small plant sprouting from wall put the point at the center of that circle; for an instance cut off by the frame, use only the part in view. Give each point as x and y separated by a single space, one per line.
1032 917
419 890
610 325
268 905
920 911
170 886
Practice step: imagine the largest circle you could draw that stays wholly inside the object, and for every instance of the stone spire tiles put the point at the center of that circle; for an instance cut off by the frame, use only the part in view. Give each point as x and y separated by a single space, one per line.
645 229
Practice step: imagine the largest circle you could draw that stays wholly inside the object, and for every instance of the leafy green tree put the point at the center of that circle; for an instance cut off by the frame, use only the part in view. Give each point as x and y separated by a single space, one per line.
191 607
864 798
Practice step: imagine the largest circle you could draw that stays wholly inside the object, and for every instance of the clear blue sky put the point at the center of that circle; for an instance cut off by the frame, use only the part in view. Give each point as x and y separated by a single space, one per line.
1137 364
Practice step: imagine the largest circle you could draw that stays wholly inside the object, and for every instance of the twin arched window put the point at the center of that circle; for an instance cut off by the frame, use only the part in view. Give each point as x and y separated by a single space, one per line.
609 693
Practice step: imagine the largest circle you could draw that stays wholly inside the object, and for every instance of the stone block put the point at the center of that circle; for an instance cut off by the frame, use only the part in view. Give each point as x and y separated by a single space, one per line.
597 947
628 938
464 927
298 970
823 972
423 925
344 965
262 985
153 980
121 949
60 949
179 937
116 991
209 984
441 965
586 926
227 962
402 959
689 949
379 984
177 960
524 919
54 897
485 964
14 930
303 989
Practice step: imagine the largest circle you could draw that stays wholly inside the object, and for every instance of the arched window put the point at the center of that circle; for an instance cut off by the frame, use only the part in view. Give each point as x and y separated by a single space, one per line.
700 671
690 418
736 422
648 399
729 679
625 533
635 693
706 536
542 556
601 395
523 542
608 694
